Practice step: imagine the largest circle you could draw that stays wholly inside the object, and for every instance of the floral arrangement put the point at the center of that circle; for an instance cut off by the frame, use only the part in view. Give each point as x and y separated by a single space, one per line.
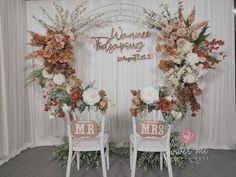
187 51
156 98
63 90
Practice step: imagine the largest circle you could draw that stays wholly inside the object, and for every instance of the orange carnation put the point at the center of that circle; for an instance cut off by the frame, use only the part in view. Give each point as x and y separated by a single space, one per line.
164 105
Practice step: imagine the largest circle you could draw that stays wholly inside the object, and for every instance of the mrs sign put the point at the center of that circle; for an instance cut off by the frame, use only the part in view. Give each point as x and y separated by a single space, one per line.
81 128
151 128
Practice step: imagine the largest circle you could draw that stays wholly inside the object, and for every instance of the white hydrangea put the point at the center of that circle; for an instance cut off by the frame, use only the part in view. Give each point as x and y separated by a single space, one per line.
188 47
46 75
190 78
149 95
192 58
59 79
91 96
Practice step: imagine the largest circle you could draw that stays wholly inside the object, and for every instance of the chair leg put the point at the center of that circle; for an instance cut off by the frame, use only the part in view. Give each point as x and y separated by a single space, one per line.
104 171
170 172
134 163
69 161
161 161
130 156
78 160
107 155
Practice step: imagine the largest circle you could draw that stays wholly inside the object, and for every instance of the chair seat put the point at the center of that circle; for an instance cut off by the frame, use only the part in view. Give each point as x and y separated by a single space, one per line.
89 144
150 144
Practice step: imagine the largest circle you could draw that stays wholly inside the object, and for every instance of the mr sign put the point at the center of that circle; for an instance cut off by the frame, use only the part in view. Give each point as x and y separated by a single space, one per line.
151 128
84 128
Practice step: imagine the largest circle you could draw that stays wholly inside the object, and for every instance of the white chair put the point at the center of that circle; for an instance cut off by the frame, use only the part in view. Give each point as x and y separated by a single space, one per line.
98 143
149 144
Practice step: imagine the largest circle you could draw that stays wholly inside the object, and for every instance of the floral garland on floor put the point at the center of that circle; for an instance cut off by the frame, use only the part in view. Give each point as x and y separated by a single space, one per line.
188 54
63 90
91 160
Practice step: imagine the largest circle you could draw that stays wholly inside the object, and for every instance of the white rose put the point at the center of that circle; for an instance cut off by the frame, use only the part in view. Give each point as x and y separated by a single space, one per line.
46 74
91 96
190 78
51 116
192 58
66 108
176 115
188 47
59 79
149 95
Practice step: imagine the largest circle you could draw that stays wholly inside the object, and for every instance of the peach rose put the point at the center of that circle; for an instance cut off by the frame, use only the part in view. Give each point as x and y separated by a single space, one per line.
103 105
136 101
187 136
181 42
102 93
168 29
170 42
181 32
174 35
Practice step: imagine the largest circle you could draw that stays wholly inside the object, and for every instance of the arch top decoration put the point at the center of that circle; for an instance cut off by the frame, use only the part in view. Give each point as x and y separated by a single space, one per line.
188 55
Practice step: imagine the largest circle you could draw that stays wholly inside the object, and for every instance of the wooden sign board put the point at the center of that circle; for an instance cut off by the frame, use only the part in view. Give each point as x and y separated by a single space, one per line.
148 128
81 128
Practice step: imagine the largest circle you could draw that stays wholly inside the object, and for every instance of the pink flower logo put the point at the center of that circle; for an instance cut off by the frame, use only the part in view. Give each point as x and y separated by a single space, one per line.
187 136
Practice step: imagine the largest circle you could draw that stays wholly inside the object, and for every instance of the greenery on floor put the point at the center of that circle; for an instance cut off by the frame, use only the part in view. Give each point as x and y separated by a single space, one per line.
91 160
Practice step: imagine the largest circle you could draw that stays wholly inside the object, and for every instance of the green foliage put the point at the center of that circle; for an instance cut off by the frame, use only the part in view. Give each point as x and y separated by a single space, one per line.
37 75
60 94
202 36
91 160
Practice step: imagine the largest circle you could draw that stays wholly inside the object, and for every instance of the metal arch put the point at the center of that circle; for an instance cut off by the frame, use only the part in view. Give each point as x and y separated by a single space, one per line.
119 10
135 19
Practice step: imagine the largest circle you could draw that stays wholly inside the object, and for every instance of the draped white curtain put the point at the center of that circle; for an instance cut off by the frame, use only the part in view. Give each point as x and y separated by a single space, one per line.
14 121
22 119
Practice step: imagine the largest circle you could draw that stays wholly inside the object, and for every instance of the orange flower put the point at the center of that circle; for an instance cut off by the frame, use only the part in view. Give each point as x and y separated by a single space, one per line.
164 105
134 112
61 114
75 95
37 39
158 47
166 65
170 51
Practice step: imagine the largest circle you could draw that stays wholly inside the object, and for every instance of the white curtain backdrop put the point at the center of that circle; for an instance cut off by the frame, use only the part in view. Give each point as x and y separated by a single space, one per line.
23 123
215 123
14 121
